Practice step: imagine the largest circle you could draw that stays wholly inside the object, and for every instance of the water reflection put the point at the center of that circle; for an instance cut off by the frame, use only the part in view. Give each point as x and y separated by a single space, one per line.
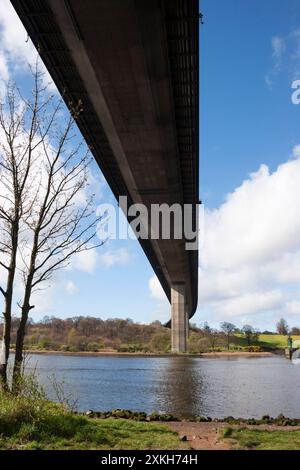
182 386
296 357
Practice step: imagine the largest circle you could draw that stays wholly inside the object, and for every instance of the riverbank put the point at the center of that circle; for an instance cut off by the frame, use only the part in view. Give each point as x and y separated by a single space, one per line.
29 421
141 354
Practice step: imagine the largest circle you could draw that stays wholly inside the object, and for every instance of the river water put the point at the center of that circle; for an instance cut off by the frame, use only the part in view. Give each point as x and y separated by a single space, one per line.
183 386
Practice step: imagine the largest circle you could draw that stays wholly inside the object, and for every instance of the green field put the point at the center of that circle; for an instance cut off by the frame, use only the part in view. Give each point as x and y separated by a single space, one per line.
268 341
256 439
275 341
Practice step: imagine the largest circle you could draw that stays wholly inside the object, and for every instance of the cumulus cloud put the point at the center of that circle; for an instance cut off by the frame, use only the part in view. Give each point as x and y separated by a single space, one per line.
258 219
296 151
111 258
85 261
16 49
250 259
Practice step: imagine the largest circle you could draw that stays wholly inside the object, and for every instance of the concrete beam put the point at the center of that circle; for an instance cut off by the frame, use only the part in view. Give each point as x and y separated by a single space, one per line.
135 67
179 317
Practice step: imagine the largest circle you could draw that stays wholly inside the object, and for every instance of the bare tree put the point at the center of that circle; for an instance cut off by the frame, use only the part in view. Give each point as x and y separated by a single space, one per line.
60 223
228 329
18 141
282 327
295 331
46 210
212 337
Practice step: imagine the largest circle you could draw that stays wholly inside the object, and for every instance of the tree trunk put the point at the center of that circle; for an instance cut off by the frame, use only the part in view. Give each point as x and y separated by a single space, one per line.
6 347
17 371
7 324
8 298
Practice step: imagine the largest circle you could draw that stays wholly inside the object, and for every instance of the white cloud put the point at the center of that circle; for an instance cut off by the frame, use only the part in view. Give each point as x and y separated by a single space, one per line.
156 291
285 57
250 256
293 307
278 47
250 259
111 258
85 261
16 49
4 75
259 219
248 304
161 310
296 151
70 287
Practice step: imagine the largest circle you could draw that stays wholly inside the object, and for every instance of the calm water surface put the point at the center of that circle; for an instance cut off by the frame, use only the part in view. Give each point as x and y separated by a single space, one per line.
183 386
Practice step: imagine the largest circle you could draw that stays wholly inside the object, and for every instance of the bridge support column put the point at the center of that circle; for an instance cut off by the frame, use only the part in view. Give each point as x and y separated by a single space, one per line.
179 318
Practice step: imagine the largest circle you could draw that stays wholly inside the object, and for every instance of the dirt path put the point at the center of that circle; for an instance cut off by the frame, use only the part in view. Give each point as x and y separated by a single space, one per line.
201 436
205 436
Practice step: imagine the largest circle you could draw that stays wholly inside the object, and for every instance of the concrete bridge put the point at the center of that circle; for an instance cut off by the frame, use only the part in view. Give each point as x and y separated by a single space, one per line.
135 66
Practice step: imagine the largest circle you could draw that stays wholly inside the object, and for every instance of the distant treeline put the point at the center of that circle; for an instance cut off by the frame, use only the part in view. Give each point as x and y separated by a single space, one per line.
94 334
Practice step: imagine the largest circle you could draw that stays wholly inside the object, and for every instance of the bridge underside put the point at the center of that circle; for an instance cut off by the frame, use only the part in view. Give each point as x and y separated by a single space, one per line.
134 65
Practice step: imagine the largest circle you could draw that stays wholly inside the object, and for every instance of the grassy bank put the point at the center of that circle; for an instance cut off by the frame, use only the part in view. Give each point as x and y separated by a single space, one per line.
28 422
275 341
72 432
257 439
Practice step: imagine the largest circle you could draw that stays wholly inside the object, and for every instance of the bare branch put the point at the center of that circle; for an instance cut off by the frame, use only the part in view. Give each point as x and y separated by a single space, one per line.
2 291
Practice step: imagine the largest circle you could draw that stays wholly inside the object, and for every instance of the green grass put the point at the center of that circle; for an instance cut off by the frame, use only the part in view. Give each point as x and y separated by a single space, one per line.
77 432
275 341
266 341
257 439
30 421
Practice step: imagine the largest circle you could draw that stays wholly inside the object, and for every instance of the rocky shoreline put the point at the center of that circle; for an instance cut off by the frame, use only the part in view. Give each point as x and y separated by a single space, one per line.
280 420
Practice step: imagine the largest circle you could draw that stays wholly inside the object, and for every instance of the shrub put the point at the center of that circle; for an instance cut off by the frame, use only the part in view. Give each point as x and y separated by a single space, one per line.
227 432
44 343
254 349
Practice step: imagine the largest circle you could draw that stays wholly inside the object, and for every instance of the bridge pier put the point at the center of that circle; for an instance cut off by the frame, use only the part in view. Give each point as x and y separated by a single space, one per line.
179 322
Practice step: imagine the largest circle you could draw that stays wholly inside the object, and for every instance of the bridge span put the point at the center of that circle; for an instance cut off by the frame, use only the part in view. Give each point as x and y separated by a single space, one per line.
134 64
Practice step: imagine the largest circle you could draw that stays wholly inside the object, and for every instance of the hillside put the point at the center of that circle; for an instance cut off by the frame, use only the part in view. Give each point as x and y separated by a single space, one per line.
95 335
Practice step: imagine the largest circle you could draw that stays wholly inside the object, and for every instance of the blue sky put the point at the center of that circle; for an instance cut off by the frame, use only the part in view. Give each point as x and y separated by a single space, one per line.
250 55
244 121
